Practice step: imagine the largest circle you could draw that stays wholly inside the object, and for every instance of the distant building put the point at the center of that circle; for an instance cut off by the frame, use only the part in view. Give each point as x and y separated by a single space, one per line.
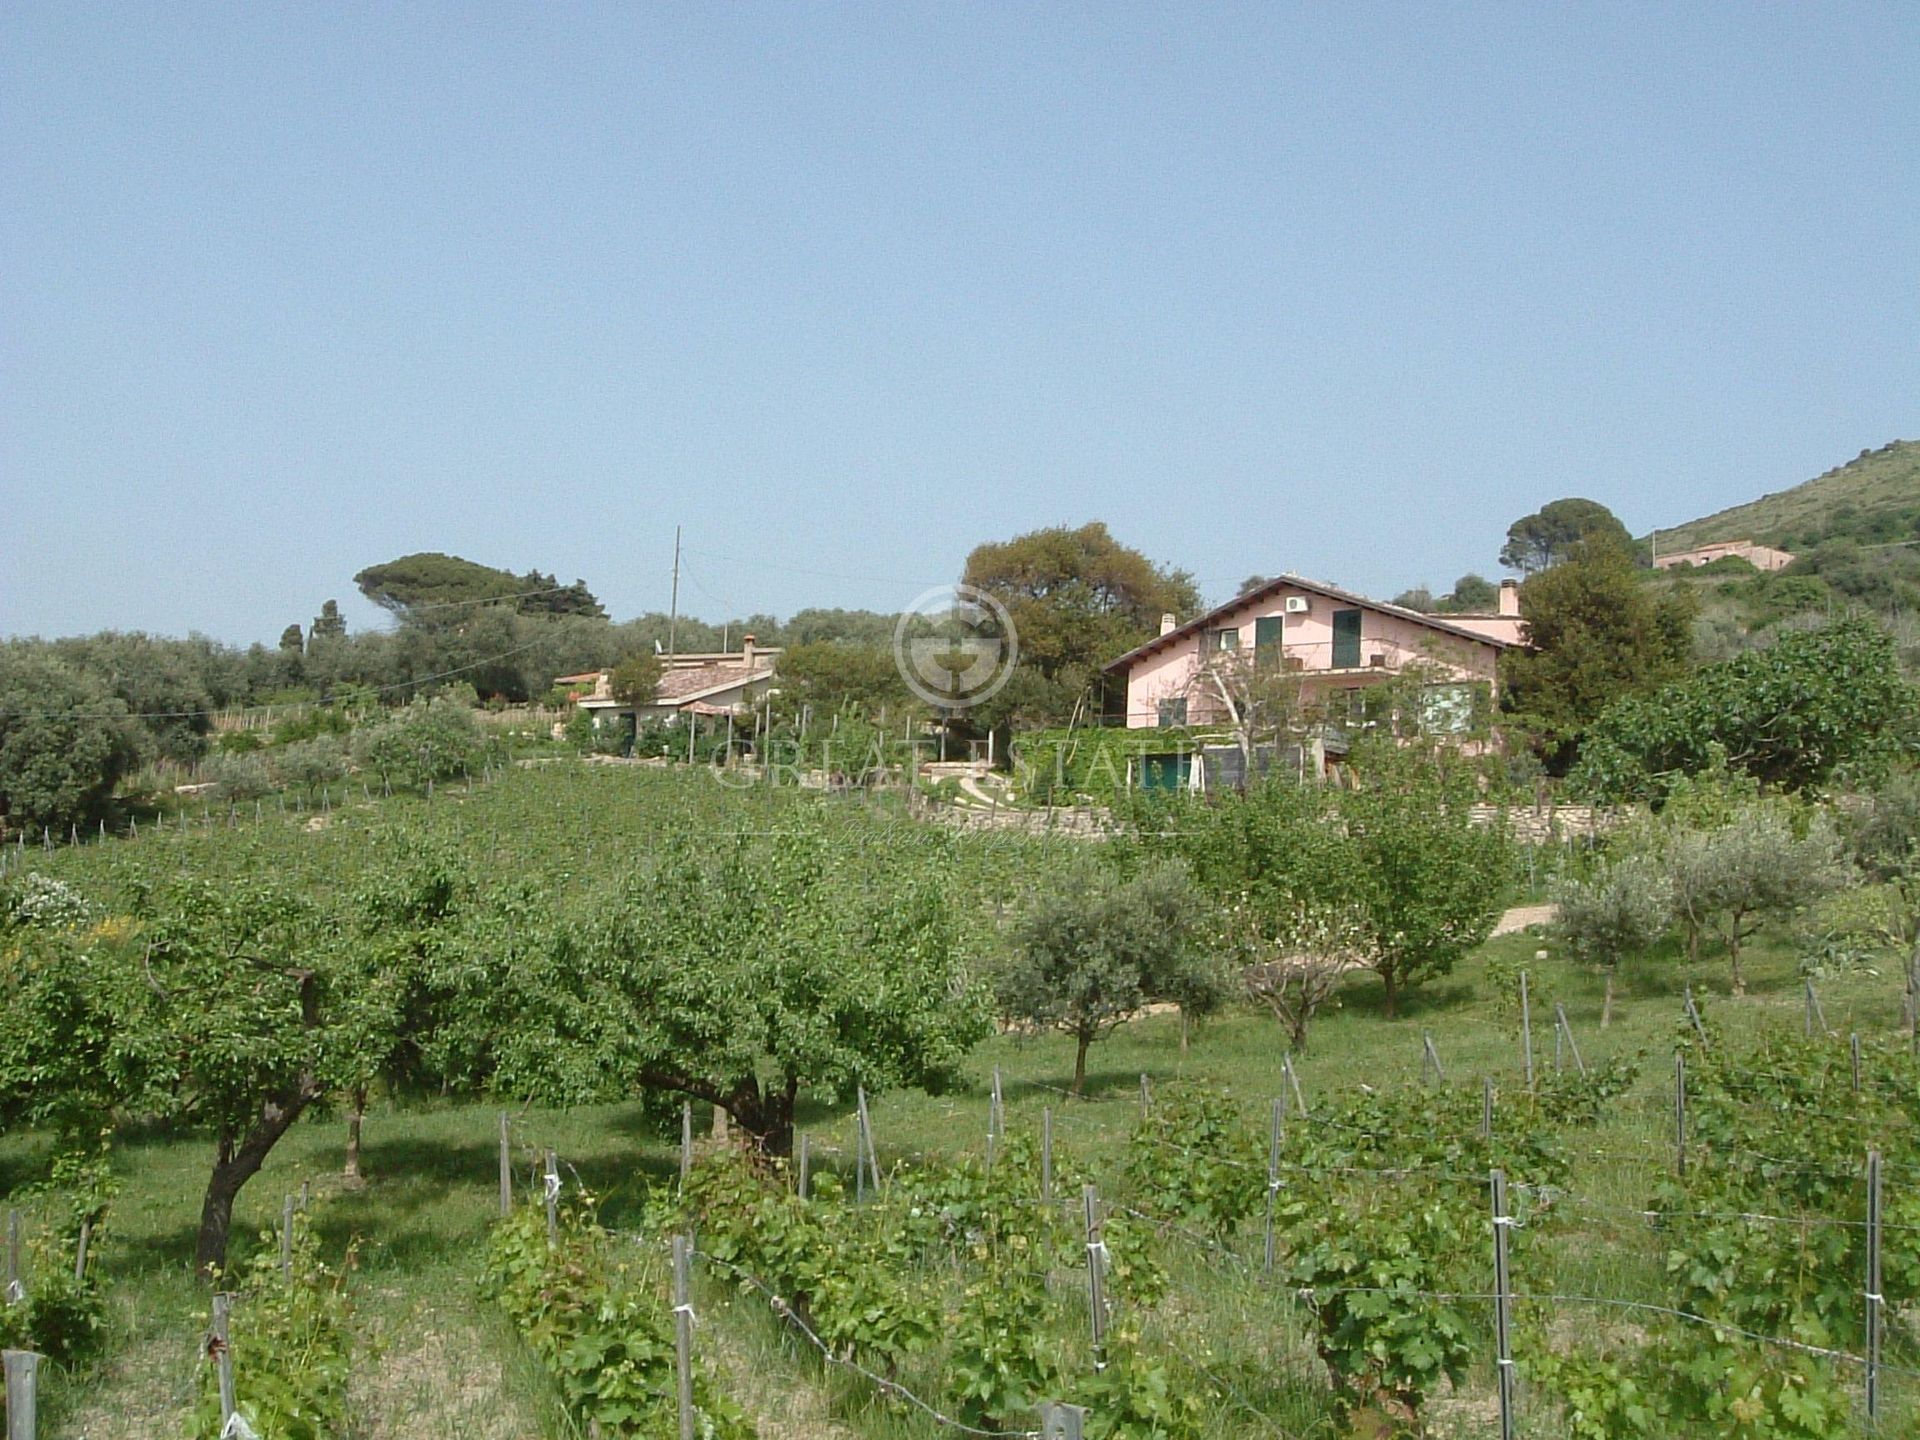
1341 645
1761 557
707 683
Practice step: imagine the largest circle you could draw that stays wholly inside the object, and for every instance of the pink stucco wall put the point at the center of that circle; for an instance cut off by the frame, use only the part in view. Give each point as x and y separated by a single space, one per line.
1169 673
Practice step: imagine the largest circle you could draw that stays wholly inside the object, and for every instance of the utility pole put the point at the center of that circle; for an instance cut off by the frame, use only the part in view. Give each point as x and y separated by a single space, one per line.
673 605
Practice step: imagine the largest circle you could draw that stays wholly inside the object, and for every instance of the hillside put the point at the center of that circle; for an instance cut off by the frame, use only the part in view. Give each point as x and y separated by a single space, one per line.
1874 496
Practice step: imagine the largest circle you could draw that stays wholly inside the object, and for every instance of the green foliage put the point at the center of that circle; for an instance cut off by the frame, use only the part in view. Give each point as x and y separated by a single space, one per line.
1412 883
1762 1235
61 1315
817 971
430 580
1763 862
65 742
1077 599
1097 949
1197 1161
599 1316
292 1340
430 740
1595 634
828 677
1623 908
635 680
240 777
1427 881
1553 532
1814 706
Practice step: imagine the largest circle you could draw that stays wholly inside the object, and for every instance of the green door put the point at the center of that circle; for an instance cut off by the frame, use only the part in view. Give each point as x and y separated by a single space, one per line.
1165 772
1346 639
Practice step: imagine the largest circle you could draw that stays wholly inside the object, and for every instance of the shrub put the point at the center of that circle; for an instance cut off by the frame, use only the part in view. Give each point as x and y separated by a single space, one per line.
240 777
1625 907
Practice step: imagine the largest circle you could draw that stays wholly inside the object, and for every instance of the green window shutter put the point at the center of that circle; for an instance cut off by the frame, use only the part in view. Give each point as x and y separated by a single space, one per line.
1346 639
1268 630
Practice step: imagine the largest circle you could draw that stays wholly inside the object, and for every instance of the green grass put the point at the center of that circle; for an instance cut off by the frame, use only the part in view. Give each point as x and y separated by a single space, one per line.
438 1361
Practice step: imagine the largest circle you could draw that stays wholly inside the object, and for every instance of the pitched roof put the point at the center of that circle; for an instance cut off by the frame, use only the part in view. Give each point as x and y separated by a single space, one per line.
1296 582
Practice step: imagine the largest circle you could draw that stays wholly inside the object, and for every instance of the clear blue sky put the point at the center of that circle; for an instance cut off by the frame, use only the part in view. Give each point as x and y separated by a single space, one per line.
290 289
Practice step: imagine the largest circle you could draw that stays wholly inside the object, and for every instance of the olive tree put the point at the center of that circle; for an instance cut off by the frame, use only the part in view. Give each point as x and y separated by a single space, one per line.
1096 948
1732 878
1625 907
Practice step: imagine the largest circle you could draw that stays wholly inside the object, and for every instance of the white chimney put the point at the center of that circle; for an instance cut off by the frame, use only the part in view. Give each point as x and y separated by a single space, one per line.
746 650
1168 624
1509 597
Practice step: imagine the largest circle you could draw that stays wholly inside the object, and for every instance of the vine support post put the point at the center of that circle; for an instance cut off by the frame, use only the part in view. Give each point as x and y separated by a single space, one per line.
1573 1046
222 1347
1273 1169
552 1192
1096 1277
1430 1059
686 1141
682 1337
1502 1304
1486 1108
1526 1027
1853 1044
286 1240
996 1118
1680 1113
1293 1083
506 1166
806 1162
1693 1014
1146 1095
80 1252
1816 1013
1875 1302
22 1373
867 1150
1046 1152
15 1291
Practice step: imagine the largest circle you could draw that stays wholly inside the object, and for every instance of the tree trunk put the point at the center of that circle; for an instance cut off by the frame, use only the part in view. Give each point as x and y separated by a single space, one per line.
1733 954
1080 1065
1392 981
233 1166
1606 1010
353 1179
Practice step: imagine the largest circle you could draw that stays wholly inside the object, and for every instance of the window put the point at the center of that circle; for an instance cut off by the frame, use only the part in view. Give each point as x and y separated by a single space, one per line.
1268 633
1346 639
1173 711
1225 639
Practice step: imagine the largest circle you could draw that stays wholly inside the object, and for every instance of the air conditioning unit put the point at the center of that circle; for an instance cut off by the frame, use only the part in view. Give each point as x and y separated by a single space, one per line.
1378 662
1296 604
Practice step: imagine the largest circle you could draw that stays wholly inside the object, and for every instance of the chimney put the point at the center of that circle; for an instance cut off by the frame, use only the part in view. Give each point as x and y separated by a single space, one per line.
746 650
1509 597
1168 624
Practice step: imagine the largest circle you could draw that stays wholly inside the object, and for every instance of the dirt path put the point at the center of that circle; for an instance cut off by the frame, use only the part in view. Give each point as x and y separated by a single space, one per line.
1521 916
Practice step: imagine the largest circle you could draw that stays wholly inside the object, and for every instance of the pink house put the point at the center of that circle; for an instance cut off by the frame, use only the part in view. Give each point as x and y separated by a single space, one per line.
1337 641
